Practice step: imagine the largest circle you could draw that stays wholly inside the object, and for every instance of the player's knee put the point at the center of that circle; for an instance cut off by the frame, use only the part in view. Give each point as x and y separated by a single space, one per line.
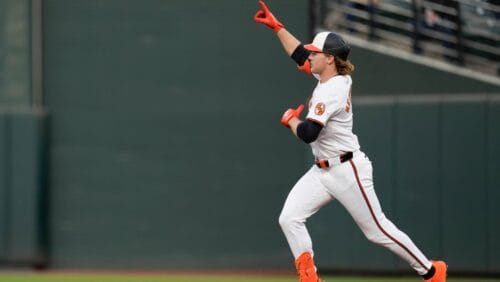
378 237
283 220
286 220
374 237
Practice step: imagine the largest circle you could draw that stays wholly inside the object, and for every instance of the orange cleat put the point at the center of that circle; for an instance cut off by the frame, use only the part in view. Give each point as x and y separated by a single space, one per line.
306 269
440 274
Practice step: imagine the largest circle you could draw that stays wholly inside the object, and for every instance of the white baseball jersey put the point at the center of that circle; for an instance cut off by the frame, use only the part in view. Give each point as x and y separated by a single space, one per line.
330 106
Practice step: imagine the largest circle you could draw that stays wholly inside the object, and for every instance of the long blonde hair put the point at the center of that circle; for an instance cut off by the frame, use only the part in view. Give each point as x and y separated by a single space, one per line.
344 67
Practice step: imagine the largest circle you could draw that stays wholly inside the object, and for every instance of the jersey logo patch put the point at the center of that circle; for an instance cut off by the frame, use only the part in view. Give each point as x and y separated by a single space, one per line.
319 109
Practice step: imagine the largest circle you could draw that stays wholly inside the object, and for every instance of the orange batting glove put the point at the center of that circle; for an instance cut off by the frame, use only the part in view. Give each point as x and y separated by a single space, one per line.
264 16
306 67
291 113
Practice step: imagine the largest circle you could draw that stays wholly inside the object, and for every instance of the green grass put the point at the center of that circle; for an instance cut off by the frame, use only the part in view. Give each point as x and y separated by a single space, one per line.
198 278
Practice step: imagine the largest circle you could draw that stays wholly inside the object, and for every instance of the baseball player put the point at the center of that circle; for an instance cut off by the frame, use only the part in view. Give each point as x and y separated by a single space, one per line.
341 171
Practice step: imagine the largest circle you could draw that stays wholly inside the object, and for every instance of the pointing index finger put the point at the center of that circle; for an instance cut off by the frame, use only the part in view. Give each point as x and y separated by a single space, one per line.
263 6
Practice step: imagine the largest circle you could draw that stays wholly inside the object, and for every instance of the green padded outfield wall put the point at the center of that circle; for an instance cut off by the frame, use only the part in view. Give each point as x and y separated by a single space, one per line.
166 149
166 146
22 189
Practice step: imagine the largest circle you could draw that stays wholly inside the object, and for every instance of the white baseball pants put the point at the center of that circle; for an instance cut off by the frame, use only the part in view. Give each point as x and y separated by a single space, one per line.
351 183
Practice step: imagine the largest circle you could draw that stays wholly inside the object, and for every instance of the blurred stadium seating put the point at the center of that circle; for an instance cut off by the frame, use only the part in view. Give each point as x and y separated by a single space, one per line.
460 32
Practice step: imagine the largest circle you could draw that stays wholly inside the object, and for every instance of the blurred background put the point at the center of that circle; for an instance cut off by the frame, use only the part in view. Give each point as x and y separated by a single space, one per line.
146 134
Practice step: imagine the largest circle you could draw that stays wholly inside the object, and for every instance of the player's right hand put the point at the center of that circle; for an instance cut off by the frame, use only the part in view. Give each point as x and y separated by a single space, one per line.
264 16
291 113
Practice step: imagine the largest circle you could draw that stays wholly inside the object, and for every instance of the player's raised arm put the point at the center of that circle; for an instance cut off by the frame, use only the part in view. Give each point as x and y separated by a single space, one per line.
292 45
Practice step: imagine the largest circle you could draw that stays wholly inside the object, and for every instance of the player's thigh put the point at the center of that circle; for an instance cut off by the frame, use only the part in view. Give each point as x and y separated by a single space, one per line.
307 196
360 198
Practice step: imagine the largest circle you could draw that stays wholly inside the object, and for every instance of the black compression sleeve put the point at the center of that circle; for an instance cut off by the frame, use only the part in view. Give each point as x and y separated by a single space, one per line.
308 131
300 55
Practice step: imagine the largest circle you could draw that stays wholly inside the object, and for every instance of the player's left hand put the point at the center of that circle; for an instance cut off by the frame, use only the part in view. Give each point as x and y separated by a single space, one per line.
306 67
291 113
264 16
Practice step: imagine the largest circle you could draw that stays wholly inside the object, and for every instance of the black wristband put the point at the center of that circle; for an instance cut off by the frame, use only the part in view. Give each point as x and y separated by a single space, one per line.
300 55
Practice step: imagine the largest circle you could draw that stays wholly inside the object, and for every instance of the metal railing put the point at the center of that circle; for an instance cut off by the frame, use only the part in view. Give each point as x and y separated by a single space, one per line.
460 32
